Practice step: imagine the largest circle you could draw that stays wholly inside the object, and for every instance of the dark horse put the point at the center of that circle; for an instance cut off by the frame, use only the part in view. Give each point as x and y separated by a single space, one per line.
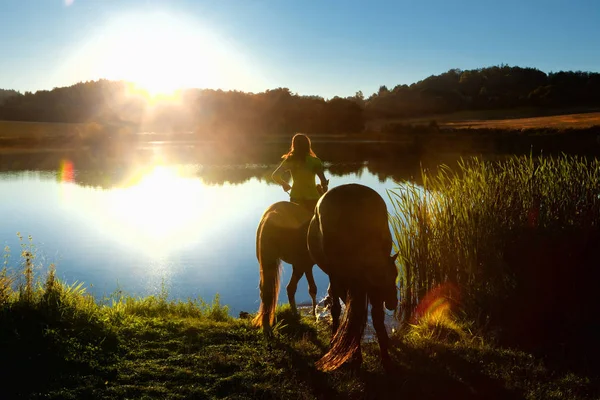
281 235
350 240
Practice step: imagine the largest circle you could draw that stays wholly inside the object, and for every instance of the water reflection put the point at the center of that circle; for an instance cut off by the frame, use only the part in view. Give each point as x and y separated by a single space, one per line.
160 208
213 165
167 217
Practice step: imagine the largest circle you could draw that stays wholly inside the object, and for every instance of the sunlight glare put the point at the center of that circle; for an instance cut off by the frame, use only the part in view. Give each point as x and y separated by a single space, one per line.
162 211
162 53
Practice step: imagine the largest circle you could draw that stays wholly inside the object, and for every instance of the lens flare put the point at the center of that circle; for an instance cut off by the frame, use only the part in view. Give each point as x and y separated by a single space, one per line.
66 172
438 303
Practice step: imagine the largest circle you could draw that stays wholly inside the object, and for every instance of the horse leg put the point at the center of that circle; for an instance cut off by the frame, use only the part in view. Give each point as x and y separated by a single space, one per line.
292 286
378 315
357 359
336 308
312 290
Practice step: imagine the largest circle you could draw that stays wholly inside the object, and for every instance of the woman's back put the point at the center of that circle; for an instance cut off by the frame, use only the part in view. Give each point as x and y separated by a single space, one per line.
303 176
304 165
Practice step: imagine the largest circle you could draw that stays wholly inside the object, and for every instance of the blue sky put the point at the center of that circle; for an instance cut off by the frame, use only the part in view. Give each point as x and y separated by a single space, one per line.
323 47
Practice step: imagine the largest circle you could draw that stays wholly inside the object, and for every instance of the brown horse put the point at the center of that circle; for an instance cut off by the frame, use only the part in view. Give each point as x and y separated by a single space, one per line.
281 236
350 240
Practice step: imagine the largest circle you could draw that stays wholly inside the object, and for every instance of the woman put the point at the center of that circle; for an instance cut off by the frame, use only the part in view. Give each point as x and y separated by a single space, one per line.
303 164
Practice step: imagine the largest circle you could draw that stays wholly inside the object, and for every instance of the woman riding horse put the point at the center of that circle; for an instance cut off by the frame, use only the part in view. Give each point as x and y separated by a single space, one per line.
303 164
283 228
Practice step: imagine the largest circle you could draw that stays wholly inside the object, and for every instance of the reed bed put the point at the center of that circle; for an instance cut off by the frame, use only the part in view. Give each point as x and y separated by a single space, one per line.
478 226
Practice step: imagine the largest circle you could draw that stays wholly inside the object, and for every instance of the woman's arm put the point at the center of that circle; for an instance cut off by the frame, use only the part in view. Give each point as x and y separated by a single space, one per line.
324 182
277 176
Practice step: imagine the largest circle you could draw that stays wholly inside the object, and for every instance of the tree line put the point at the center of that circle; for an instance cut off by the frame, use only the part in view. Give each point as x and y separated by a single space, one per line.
281 111
498 87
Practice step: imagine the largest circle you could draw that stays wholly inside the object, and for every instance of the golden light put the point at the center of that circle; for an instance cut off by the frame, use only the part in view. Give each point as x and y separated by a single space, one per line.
158 214
161 52
161 211
158 54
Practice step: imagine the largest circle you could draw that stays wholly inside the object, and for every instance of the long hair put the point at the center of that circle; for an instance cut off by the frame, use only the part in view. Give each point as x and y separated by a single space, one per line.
300 148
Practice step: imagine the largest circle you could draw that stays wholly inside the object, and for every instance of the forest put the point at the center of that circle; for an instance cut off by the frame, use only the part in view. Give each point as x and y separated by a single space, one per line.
280 111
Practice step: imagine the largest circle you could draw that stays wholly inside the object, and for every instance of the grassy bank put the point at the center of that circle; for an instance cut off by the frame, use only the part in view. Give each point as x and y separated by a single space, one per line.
47 135
57 342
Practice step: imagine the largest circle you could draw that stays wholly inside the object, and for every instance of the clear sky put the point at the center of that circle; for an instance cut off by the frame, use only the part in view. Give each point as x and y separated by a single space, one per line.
322 47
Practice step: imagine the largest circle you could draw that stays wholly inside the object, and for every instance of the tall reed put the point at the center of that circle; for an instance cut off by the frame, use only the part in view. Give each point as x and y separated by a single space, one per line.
461 224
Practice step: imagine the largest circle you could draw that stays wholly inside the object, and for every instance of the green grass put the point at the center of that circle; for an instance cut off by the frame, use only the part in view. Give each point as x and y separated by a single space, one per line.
58 342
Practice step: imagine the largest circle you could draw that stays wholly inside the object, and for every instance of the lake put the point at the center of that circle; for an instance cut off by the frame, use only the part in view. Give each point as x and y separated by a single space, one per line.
165 216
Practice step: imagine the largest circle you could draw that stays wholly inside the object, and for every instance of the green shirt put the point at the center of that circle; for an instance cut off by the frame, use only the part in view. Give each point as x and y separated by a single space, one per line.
303 176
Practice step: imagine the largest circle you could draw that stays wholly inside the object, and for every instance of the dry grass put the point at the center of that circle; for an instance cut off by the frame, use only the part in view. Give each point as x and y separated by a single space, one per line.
501 119
585 120
10 129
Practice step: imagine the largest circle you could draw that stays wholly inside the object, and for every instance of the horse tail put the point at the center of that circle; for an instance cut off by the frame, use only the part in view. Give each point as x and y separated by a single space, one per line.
346 342
270 268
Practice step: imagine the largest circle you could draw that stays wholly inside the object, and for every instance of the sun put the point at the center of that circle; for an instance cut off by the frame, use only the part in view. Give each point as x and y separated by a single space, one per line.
161 53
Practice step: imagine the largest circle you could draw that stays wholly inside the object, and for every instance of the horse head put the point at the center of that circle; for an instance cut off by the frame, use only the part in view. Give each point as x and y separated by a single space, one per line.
389 289
382 274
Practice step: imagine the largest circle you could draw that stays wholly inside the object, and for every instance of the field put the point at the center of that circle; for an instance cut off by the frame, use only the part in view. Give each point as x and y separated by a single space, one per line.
11 129
556 121
502 119
494 119
45 136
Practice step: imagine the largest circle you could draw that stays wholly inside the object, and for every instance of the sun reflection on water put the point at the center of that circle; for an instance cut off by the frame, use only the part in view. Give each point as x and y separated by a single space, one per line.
162 211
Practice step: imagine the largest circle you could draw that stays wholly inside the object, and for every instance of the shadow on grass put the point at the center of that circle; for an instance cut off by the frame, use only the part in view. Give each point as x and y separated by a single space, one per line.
426 373
432 373
304 368
297 327
41 353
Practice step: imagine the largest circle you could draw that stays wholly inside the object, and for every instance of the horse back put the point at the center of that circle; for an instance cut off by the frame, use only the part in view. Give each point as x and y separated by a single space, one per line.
282 231
354 216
